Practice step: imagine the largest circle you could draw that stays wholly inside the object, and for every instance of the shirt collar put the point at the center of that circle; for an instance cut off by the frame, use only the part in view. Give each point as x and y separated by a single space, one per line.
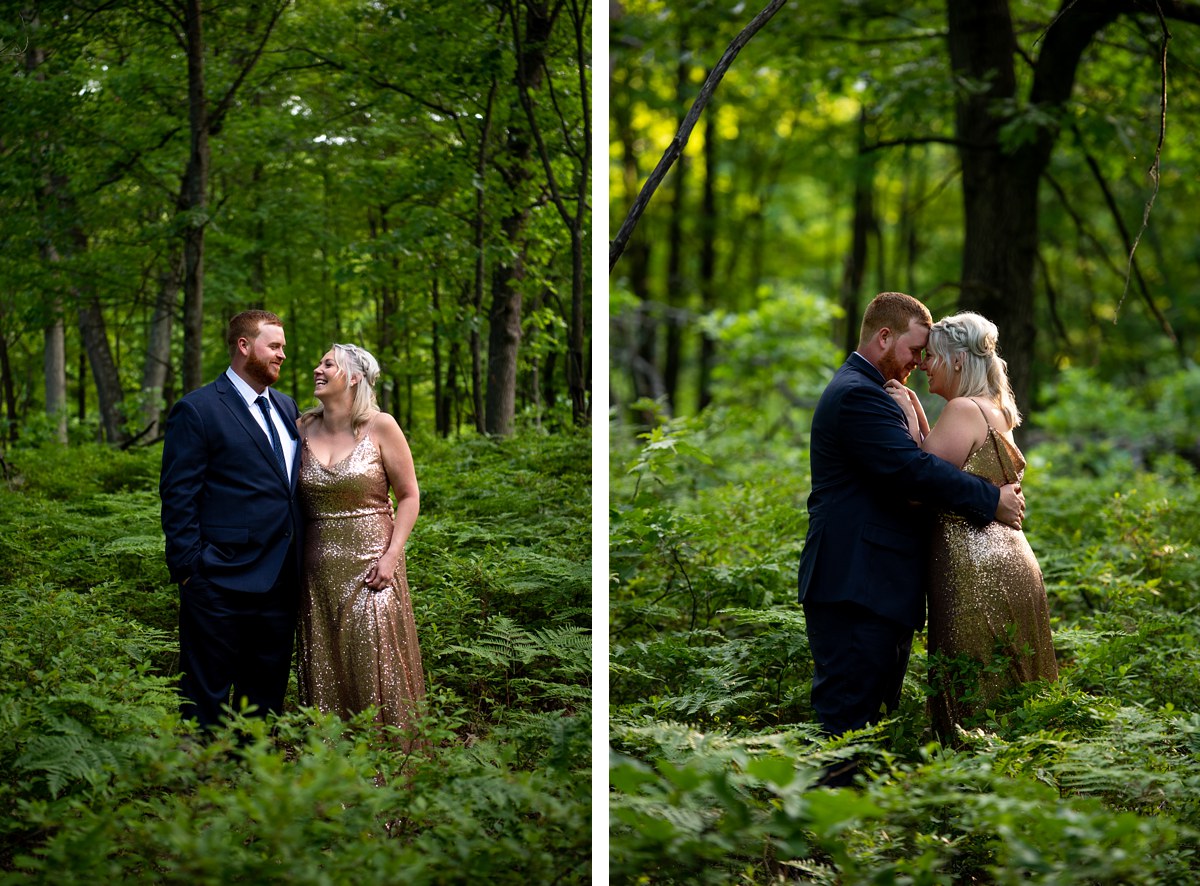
239 384
869 366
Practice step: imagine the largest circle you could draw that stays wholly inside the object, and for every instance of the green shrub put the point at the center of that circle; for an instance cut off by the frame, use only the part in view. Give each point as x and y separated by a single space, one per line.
1090 779
99 781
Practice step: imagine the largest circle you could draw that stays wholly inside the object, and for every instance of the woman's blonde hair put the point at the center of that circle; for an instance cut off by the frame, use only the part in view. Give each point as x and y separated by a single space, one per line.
355 363
969 340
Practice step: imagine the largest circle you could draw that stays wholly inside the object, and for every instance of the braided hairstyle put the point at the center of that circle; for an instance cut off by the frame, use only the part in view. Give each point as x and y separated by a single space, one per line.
356 364
969 340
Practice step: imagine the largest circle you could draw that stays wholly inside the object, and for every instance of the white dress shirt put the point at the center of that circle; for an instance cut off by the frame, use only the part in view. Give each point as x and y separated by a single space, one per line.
286 438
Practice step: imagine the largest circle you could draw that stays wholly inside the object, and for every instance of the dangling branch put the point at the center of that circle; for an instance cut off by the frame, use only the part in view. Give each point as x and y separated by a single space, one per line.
617 246
1133 268
1154 167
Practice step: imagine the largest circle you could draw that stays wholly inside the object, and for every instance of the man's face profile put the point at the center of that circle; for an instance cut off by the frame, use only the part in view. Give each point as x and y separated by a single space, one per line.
905 352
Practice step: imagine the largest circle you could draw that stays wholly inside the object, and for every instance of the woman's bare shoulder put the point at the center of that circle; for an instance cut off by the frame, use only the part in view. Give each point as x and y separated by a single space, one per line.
964 414
384 427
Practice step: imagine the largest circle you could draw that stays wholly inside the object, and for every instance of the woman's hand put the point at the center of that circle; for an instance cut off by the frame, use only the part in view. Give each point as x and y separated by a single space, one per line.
906 399
382 571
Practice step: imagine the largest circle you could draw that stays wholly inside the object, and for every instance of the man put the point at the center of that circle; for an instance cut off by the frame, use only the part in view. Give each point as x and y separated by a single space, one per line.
230 516
862 570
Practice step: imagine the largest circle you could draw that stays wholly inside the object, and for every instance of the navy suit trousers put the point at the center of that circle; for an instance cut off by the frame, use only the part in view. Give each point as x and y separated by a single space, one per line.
236 646
859 661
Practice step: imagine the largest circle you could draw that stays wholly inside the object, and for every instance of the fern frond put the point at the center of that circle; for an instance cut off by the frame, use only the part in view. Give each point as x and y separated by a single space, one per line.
72 755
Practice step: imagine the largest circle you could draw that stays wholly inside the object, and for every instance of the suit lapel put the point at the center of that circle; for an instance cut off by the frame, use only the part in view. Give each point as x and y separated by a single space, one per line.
237 407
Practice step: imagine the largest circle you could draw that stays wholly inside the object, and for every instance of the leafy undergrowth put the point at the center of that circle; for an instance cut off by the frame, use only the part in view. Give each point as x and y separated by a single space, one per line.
1092 779
99 781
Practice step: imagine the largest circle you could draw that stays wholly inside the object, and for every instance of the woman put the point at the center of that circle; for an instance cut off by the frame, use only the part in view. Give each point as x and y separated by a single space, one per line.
358 641
989 624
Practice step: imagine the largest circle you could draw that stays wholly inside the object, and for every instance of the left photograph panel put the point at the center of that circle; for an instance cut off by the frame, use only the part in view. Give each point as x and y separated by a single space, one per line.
295 441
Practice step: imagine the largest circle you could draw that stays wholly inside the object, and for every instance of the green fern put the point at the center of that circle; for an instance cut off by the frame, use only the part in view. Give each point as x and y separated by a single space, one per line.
71 753
506 644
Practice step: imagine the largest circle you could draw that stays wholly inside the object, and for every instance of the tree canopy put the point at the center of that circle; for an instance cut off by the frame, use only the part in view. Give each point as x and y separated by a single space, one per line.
996 156
408 176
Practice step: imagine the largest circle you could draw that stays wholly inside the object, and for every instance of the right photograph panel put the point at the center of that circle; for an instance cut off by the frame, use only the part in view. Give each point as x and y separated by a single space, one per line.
903 442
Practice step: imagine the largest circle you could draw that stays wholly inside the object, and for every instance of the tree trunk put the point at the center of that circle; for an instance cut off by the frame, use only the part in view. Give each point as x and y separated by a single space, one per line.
54 367
1000 187
504 334
8 430
577 375
481 167
193 203
440 420
676 301
708 253
94 334
641 332
450 403
577 378
54 349
158 348
856 260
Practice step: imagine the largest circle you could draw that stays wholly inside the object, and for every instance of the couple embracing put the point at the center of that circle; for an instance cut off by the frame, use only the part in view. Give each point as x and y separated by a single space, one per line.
900 512
276 521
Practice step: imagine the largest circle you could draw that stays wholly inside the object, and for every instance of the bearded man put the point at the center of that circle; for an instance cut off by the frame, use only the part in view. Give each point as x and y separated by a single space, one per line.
232 527
862 570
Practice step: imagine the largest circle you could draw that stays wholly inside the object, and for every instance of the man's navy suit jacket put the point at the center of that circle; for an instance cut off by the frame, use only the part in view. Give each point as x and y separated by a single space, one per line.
229 512
866 542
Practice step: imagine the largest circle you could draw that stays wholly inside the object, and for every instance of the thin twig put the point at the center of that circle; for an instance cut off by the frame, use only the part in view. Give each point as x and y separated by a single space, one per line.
617 246
1155 166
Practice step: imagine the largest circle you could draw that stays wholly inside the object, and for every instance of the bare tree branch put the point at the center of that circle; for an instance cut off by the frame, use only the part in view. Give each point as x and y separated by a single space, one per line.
1154 167
617 246
1163 323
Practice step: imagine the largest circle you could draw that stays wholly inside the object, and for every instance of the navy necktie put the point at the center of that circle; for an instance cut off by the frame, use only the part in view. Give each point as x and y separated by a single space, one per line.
274 434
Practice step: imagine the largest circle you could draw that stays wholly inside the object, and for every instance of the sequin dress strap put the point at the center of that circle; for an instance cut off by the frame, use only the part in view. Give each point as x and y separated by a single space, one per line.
982 412
994 436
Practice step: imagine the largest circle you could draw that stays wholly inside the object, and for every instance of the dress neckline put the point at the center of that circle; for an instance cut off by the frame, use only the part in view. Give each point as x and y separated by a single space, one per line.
341 461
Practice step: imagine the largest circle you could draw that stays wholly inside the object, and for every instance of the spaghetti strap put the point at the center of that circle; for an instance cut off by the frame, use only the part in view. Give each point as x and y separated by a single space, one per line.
982 412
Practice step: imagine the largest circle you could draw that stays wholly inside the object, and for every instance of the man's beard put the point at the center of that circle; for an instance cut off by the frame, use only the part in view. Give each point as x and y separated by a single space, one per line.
891 368
262 371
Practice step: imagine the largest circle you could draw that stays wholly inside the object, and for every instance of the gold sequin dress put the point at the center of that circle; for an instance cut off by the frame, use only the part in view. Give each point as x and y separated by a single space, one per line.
357 647
989 623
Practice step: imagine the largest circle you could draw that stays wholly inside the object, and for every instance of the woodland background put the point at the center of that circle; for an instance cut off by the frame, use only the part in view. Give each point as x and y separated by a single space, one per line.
996 155
411 177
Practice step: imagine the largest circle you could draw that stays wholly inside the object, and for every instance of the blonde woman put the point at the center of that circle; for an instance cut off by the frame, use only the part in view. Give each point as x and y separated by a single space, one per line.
357 639
989 623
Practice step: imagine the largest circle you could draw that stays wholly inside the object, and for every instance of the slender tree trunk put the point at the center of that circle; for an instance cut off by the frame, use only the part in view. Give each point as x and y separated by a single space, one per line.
549 390
708 254
676 302
8 431
642 332
481 168
856 259
408 375
257 264
577 374
81 375
158 348
193 203
440 420
54 339
54 364
452 406
109 395
504 333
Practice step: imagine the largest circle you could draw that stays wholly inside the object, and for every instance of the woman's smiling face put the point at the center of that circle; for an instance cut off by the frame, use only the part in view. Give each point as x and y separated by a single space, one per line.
328 378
